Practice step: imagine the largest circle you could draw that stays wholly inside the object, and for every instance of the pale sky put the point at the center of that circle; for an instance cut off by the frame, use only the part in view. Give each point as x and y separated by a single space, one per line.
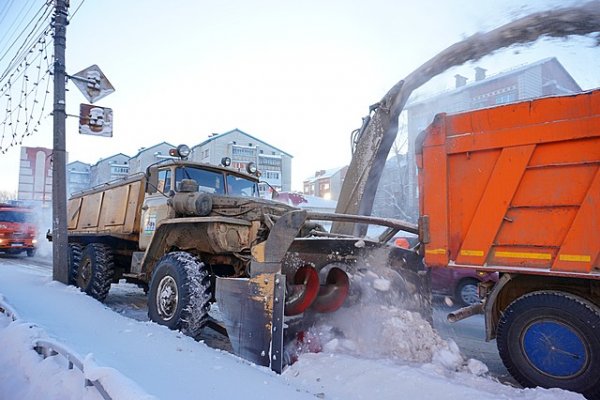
298 75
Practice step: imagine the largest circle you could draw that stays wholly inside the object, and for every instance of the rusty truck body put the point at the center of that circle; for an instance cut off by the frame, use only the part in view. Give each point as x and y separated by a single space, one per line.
194 234
516 189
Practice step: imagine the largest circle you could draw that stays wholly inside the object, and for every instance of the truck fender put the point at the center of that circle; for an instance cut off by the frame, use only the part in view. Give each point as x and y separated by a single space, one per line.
196 234
490 310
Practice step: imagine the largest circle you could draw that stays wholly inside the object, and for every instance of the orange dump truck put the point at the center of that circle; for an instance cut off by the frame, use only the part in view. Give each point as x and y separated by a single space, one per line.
516 189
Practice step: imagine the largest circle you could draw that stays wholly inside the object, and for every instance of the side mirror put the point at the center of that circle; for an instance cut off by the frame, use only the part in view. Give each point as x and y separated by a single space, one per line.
152 179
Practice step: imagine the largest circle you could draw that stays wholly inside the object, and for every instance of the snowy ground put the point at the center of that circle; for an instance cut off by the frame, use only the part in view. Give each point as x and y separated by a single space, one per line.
385 353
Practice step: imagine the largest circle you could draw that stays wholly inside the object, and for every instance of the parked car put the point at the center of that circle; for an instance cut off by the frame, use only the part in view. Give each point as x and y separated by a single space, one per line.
457 283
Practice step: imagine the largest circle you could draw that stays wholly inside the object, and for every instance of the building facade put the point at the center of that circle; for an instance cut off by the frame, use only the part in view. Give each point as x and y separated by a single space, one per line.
149 155
78 177
326 183
35 176
274 164
109 169
392 193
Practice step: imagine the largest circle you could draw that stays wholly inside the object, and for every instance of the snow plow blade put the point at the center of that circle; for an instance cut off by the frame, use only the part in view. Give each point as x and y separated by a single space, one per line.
253 316
253 308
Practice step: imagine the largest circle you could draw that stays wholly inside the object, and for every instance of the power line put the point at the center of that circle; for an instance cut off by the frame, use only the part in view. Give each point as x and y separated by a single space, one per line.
4 11
17 20
45 15
77 9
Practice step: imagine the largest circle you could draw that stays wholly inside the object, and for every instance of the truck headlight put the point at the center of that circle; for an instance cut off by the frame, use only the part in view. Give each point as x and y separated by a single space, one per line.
226 161
251 168
182 151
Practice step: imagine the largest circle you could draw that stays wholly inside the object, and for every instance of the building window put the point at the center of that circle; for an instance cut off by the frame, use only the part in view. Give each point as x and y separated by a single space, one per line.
505 98
271 175
270 161
119 170
205 153
243 152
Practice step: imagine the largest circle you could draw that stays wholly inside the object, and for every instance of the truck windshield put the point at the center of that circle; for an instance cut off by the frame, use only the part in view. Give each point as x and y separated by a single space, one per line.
208 181
14 216
238 186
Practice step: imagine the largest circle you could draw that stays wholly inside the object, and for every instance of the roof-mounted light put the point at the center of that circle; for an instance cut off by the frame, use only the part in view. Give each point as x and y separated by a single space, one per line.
251 168
182 151
226 161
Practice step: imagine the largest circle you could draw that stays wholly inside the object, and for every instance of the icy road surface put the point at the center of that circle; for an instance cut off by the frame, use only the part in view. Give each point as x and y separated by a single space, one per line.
137 359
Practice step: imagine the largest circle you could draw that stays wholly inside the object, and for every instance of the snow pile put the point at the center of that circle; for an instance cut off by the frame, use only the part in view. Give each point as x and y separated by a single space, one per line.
377 331
378 326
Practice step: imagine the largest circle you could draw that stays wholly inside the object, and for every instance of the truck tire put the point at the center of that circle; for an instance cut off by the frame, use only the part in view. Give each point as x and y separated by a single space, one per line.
75 250
466 292
179 293
30 252
95 271
552 339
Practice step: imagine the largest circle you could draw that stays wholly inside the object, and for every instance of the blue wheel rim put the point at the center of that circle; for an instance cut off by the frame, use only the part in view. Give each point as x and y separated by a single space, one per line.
555 349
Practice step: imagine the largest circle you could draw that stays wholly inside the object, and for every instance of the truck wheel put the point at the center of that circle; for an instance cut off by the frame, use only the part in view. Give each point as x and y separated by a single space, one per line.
96 270
30 252
467 293
75 250
179 293
552 339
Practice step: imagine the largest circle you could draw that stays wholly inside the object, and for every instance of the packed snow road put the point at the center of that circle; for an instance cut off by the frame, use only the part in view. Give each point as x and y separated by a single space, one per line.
130 300
402 356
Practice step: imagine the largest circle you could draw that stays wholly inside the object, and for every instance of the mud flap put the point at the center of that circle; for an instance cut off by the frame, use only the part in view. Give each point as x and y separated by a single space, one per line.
253 316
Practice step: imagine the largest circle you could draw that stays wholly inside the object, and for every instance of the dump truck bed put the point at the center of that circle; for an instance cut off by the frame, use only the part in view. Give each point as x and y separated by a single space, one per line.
108 209
514 188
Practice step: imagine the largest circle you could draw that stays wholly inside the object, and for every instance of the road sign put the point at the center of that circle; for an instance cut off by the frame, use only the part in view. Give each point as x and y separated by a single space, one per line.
93 83
95 121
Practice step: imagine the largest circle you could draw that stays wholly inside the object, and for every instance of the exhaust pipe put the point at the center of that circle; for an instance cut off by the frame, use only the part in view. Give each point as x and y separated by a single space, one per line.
303 291
333 294
465 312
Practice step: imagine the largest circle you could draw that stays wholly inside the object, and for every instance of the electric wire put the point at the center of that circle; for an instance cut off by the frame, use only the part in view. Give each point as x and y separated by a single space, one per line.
27 41
77 9
17 21
4 11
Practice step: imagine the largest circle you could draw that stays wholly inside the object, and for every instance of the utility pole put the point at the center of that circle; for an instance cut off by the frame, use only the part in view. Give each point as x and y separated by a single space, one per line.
60 269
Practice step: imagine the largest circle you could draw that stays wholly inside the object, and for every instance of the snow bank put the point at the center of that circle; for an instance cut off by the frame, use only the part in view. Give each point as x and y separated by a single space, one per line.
383 364
24 374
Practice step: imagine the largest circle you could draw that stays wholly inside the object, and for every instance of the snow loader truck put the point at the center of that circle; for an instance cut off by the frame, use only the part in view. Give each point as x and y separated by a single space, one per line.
199 238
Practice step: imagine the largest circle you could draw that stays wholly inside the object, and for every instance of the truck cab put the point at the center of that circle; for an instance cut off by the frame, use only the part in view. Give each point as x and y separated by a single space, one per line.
18 230
168 178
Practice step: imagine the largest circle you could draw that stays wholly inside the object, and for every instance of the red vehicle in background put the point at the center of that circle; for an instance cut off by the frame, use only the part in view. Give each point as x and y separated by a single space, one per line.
18 231
460 284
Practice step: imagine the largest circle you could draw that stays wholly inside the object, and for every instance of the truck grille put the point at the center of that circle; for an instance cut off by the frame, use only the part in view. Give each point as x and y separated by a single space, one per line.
19 235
